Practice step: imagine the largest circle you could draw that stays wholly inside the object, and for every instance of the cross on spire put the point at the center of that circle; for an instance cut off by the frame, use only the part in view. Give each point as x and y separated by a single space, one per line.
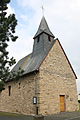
42 7
43 10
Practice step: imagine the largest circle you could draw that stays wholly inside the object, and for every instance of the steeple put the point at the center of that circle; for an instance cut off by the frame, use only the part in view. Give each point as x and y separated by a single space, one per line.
43 28
43 39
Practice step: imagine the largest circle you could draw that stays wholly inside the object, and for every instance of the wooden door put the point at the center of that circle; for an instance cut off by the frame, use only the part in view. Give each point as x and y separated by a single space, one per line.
62 103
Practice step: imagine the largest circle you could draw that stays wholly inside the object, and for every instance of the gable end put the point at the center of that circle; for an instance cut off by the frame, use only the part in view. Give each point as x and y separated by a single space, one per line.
67 59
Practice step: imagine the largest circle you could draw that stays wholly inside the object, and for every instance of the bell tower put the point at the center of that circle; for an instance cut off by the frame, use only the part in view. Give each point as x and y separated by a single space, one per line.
43 38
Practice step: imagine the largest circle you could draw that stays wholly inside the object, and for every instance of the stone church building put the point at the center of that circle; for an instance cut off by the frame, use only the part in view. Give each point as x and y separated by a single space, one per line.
48 84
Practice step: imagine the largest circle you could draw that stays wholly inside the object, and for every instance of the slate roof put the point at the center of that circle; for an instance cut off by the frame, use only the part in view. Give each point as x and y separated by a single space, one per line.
43 27
32 62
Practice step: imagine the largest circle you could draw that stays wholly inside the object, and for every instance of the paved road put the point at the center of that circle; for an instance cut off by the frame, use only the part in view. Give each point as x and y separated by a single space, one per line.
61 116
75 118
64 116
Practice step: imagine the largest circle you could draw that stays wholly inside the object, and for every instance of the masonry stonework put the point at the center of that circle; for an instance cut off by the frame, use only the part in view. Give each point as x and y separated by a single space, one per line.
57 79
21 98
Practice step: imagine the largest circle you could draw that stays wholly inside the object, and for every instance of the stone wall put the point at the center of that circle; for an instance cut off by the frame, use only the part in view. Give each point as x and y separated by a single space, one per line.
56 78
21 98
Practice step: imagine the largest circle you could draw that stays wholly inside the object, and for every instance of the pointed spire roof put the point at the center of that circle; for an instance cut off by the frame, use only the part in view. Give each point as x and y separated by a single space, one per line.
43 27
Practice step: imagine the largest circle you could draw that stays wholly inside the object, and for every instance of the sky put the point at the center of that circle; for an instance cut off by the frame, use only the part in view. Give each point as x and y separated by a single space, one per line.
63 18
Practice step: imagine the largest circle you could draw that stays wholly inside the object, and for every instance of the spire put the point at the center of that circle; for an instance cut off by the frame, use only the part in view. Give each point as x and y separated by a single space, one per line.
43 27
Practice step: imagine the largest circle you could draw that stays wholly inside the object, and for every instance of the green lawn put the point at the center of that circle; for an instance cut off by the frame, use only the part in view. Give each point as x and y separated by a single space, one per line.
9 114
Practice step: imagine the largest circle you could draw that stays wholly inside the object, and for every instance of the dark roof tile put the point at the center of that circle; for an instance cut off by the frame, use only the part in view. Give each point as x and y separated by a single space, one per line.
43 27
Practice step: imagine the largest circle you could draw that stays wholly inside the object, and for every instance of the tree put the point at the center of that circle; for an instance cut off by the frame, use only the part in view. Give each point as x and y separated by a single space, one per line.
7 30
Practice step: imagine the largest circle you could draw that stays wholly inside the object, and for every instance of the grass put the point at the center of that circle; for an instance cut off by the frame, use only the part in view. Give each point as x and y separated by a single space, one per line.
9 114
79 106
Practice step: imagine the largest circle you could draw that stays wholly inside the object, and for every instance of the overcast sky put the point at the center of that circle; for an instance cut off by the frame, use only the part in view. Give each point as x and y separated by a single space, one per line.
63 18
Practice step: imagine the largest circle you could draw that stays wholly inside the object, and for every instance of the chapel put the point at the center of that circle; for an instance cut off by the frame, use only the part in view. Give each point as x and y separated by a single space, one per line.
48 84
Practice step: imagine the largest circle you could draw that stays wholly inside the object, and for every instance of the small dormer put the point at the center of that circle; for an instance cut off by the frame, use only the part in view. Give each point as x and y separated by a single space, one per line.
43 38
